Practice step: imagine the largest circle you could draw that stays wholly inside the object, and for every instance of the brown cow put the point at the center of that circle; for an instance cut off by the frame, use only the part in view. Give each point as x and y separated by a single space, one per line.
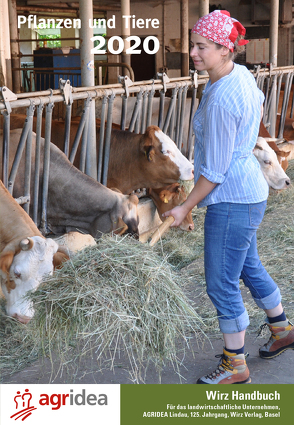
136 160
25 256
169 197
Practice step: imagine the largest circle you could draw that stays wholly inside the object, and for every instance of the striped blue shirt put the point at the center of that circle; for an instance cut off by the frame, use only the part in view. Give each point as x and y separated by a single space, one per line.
226 126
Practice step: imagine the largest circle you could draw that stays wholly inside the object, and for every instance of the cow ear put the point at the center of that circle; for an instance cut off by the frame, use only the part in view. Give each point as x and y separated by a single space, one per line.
119 227
133 199
115 189
60 257
259 147
149 152
6 259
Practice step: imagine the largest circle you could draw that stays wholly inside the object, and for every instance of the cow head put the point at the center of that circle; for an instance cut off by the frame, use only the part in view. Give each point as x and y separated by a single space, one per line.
127 220
23 272
170 164
274 174
169 197
123 218
282 156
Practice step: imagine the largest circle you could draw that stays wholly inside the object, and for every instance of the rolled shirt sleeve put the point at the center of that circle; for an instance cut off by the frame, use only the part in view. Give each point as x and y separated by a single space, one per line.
219 137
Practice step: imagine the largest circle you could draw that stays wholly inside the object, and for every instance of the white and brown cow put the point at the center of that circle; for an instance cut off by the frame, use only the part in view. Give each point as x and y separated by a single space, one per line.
273 172
25 256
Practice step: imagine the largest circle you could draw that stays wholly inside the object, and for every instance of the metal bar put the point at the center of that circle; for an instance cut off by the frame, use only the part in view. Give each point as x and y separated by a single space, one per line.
266 102
6 142
79 132
22 200
67 128
124 109
18 155
272 113
37 162
101 139
107 140
170 110
46 167
179 106
280 78
138 120
190 133
149 107
135 114
285 104
161 108
84 141
181 126
28 157
144 112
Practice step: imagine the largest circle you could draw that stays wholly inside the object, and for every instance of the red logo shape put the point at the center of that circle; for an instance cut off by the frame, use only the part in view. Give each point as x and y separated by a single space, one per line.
23 402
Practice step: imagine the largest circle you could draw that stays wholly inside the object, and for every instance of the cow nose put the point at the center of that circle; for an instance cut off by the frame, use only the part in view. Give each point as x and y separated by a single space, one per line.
288 182
191 226
21 318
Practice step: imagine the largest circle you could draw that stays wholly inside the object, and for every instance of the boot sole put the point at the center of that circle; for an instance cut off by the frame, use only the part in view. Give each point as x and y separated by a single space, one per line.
247 381
276 353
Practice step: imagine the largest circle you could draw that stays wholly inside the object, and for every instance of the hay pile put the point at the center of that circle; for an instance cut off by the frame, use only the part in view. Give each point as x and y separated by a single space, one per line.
119 295
125 297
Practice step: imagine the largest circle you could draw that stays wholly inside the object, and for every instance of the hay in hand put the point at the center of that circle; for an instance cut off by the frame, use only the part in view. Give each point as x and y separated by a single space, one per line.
119 295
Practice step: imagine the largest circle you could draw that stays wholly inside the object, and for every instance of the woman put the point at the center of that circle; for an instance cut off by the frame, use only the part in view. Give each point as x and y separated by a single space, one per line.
229 182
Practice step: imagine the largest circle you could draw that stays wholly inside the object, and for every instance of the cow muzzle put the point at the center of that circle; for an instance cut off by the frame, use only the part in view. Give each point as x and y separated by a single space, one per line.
22 319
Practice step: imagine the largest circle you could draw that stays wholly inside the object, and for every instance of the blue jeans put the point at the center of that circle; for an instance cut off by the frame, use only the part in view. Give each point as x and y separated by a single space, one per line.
230 254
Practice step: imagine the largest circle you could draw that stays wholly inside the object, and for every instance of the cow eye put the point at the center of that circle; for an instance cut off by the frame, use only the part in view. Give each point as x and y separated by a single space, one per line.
17 272
267 162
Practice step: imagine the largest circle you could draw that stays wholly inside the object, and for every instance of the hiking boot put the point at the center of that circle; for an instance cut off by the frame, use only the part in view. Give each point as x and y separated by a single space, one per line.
282 338
232 369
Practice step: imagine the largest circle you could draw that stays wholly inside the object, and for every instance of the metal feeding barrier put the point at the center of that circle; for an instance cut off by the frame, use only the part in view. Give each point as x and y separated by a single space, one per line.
174 91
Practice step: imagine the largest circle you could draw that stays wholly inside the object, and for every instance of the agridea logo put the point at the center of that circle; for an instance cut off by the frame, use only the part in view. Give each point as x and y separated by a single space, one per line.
56 401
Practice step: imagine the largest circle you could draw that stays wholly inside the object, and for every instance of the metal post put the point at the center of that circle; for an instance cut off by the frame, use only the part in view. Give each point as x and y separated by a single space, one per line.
18 155
88 80
144 112
149 107
124 109
5 55
101 138
203 7
161 108
107 139
274 28
46 167
178 123
80 130
14 46
135 111
28 157
185 37
126 32
171 109
189 153
6 140
37 162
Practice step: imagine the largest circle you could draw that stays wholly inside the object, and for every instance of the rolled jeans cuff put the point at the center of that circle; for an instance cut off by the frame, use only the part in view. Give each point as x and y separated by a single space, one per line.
269 302
234 325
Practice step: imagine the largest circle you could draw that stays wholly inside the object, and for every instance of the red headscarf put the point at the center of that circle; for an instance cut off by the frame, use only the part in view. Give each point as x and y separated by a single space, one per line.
220 28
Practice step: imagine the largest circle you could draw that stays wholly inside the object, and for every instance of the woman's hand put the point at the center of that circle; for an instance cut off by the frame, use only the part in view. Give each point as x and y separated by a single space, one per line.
178 213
